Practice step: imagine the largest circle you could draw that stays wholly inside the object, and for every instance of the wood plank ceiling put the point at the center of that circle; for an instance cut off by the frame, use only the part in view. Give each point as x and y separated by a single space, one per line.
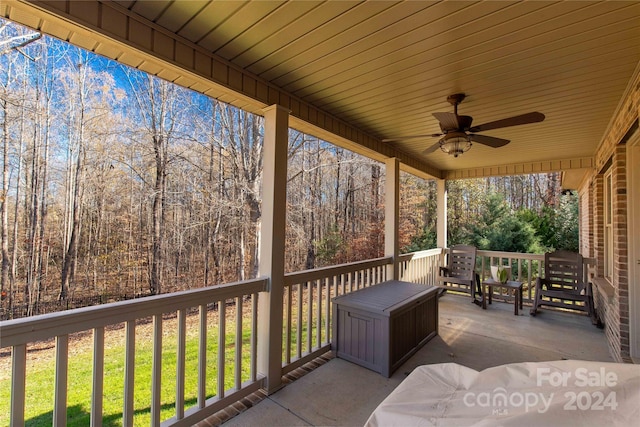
385 66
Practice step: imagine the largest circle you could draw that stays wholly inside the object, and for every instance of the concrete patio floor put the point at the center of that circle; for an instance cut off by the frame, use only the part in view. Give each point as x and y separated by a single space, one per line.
340 393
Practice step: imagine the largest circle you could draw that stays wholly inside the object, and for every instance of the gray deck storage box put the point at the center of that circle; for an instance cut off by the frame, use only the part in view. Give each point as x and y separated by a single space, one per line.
381 326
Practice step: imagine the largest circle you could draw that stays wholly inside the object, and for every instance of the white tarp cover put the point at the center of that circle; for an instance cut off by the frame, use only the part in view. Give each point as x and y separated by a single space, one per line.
558 393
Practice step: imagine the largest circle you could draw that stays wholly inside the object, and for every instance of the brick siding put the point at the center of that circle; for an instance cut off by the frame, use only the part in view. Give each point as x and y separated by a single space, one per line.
611 156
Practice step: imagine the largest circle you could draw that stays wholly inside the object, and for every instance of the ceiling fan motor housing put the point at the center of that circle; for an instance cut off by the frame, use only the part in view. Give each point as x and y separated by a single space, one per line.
454 134
455 143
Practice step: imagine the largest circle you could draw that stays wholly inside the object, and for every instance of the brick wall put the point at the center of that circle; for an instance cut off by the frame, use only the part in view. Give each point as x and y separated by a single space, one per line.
612 305
621 248
598 221
586 222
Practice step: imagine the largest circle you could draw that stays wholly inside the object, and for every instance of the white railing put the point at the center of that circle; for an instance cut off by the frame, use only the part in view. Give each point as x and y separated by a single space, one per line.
525 268
225 317
421 267
307 305
222 311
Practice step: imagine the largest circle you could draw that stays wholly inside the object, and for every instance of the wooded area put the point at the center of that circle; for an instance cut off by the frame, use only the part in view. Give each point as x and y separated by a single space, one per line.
118 184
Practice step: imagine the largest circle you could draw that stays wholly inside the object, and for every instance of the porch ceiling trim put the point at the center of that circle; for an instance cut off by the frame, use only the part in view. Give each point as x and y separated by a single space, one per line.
522 168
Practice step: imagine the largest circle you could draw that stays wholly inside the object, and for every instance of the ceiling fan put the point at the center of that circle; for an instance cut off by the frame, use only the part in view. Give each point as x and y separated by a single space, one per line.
457 132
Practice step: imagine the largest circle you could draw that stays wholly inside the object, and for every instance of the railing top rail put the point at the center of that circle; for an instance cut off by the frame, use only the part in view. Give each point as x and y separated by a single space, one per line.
512 255
334 270
421 254
45 326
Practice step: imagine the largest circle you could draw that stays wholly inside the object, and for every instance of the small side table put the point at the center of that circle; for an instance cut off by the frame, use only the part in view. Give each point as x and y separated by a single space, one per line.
488 285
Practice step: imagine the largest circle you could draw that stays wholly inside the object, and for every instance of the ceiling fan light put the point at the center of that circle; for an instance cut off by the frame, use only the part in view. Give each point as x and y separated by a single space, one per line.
456 144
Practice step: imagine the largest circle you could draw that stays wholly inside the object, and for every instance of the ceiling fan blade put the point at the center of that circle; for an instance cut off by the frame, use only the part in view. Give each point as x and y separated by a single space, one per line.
447 120
522 119
404 138
431 149
489 140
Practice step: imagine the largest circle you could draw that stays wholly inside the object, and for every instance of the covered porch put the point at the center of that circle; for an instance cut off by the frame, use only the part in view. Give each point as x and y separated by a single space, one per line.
590 135
186 324
330 391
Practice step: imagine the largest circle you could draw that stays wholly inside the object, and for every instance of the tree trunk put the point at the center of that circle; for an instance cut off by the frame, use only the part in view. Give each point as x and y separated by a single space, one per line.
157 264
4 207
71 251
70 259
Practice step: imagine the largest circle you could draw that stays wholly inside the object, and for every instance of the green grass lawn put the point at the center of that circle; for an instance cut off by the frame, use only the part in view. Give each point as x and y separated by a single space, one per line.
41 375
41 371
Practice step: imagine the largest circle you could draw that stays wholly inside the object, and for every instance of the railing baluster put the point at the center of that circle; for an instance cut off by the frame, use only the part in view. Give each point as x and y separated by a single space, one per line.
98 377
299 323
62 368
129 371
428 269
327 315
288 336
202 356
222 345
309 316
156 369
18 383
238 371
180 363
319 315
254 334
412 270
530 274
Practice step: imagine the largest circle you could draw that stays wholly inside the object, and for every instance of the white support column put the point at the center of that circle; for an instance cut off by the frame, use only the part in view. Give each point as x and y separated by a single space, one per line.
392 215
441 200
272 240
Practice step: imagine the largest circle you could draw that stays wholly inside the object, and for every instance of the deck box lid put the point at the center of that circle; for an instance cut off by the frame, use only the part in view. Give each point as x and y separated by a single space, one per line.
385 297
